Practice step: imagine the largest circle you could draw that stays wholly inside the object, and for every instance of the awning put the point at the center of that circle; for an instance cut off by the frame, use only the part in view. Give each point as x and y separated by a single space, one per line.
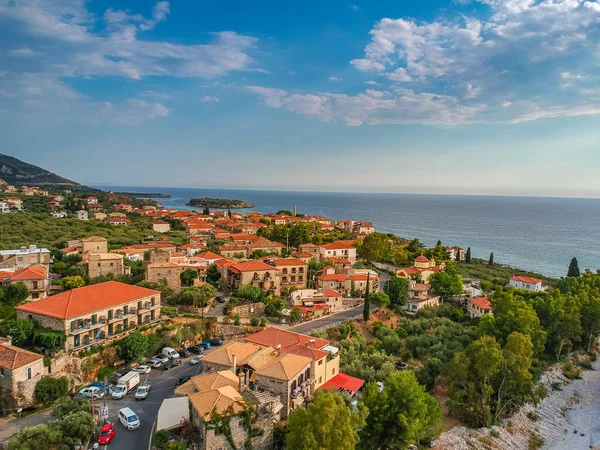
172 413
343 382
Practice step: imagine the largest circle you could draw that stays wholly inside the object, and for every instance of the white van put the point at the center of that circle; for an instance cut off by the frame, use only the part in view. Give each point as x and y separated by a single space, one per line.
170 352
129 419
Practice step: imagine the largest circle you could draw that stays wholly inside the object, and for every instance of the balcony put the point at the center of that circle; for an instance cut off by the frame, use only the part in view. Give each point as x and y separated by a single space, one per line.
86 343
87 326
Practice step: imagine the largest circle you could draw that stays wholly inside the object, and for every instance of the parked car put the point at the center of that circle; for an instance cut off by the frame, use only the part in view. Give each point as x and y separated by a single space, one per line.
129 419
184 353
91 392
197 349
107 434
155 363
182 380
217 341
220 299
206 345
142 392
171 363
143 369
170 352
196 359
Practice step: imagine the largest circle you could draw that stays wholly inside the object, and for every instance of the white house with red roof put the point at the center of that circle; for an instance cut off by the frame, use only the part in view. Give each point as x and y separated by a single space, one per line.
339 249
118 221
478 306
527 283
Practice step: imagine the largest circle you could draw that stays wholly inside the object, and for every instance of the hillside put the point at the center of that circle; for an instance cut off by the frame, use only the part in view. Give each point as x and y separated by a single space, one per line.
19 173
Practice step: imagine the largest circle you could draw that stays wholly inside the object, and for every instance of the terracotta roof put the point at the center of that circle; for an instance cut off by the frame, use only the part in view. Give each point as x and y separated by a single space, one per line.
160 222
421 258
344 382
88 299
481 302
338 245
529 280
331 293
251 266
104 256
223 356
336 260
290 342
285 366
363 277
14 357
224 262
409 270
231 248
219 400
289 262
93 239
302 255
208 255
334 277
420 287
214 380
30 273
166 264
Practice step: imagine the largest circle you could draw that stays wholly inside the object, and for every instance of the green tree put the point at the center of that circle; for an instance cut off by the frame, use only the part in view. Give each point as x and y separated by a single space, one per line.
446 283
397 290
380 299
133 346
325 424
590 319
21 330
573 268
39 437
252 293
212 274
49 389
295 315
285 212
367 303
491 260
402 414
188 276
68 405
76 428
468 256
16 293
73 282
374 247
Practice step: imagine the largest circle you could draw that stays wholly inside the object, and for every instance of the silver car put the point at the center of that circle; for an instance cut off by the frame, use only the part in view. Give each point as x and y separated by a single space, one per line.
142 392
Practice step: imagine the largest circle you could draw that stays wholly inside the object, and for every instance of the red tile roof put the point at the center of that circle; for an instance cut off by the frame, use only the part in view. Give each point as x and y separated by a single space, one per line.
30 273
481 302
88 299
251 266
363 277
345 382
421 258
331 293
338 245
290 342
14 357
224 262
526 279
208 255
289 262
334 277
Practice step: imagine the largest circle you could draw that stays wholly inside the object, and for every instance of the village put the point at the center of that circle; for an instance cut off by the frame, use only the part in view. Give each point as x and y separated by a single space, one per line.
256 306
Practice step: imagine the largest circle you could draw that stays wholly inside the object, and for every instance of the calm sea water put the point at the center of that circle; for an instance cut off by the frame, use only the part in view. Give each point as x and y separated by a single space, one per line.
533 233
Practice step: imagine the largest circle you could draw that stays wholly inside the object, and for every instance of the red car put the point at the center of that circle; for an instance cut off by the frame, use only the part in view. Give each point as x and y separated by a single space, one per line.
106 434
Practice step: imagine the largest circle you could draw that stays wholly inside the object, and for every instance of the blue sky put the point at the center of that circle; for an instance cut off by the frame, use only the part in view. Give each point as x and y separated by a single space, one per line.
458 96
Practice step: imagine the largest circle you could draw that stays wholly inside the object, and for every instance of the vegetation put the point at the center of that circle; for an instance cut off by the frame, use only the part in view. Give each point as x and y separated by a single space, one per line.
49 389
447 283
26 333
222 203
497 274
133 346
325 424
573 268
367 303
397 290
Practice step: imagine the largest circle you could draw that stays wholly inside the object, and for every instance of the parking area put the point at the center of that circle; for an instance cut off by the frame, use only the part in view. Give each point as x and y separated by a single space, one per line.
162 386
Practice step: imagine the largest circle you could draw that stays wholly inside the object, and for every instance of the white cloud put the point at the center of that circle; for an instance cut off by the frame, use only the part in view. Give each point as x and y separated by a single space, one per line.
157 95
372 83
400 75
209 99
24 52
334 79
572 76
367 65
354 7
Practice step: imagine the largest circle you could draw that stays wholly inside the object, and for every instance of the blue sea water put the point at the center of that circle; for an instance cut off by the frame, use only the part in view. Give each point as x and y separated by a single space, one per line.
534 233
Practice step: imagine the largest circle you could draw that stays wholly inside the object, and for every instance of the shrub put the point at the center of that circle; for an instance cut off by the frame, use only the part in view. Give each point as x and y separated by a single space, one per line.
585 364
49 389
237 319
557 386
535 441
105 372
254 321
162 438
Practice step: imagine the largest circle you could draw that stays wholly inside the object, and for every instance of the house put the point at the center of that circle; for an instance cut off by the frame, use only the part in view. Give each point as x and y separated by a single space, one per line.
82 246
91 200
118 221
95 208
359 282
102 264
452 252
478 306
233 251
14 202
363 228
12 260
117 214
336 281
59 214
191 249
99 215
210 257
254 273
168 271
419 297
160 226
4 208
20 370
302 256
422 269
226 394
35 278
315 297
95 314
265 245
343 249
346 225
527 283
122 207
293 272
82 214
312 249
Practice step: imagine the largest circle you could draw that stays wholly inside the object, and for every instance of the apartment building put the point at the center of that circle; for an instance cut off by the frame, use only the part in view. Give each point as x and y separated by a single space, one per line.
13 260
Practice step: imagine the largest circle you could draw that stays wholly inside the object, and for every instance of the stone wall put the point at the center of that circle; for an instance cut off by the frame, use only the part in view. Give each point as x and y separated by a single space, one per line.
98 266
248 310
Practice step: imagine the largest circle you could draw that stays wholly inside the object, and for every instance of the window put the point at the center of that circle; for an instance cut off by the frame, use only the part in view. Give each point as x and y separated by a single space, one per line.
320 380
333 371
1 372
29 373
320 362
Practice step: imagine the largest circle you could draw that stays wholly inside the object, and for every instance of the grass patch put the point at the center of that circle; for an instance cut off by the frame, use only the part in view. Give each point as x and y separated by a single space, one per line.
535 441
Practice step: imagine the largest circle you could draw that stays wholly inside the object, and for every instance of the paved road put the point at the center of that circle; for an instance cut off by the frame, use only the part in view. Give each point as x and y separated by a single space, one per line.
9 426
307 327
163 383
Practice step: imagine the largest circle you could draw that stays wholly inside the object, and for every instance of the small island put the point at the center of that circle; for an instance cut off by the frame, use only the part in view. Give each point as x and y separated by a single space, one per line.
144 195
219 203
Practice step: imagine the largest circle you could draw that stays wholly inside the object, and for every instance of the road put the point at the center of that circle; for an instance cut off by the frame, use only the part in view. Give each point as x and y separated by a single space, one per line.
307 327
9 426
163 383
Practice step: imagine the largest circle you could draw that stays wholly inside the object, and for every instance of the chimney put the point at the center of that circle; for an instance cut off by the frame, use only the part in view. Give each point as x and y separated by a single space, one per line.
32 248
234 360
294 210
241 384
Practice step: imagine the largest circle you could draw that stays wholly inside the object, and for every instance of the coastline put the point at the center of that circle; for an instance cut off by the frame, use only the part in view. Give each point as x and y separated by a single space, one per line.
565 419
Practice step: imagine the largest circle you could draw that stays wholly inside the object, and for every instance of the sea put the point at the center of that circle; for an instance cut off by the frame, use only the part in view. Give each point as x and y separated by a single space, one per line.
539 234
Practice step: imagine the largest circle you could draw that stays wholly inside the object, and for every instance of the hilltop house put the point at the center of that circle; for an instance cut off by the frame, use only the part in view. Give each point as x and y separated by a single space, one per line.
419 297
423 267
254 273
35 278
527 283
342 249
13 260
478 306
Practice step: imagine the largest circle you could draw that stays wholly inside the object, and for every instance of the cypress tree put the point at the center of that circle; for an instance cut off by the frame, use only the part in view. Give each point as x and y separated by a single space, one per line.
439 244
491 261
367 306
573 268
468 256
457 256
229 212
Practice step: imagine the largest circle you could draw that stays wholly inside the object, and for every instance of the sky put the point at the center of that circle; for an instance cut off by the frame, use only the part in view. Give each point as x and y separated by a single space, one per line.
496 97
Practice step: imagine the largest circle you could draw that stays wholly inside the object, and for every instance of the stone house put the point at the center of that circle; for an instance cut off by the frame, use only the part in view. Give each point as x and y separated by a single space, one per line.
363 227
168 271
160 226
34 278
359 282
105 264
293 272
95 314
312 249
308 298
254 273
478 306
20 370
453 251
233 251
82 214
419 297
340 249
336 281
266 246
302 256
13 260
